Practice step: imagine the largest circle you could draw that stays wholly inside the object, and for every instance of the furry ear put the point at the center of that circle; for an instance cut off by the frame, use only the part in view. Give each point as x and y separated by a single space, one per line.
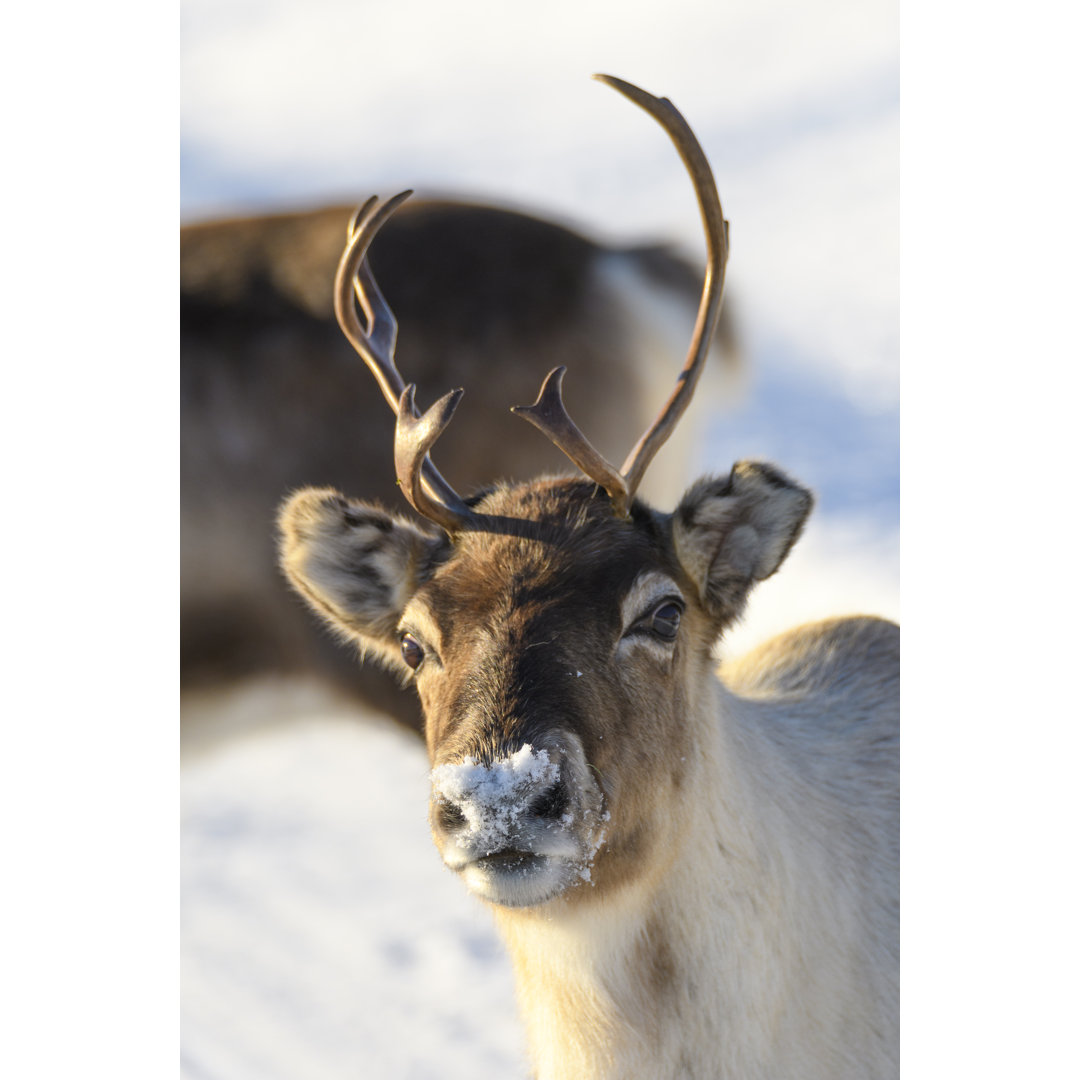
732 533
355 564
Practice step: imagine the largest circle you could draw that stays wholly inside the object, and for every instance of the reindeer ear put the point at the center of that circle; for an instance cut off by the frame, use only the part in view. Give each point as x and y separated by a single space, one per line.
356 565
732 533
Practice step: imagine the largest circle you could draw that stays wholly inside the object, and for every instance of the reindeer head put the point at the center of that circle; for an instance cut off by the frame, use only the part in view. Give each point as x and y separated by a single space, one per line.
560 632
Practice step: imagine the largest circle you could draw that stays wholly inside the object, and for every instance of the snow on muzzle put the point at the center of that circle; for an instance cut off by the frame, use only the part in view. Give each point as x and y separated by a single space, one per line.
520 829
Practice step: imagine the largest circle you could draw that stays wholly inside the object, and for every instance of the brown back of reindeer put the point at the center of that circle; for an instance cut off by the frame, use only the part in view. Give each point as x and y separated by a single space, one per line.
273 397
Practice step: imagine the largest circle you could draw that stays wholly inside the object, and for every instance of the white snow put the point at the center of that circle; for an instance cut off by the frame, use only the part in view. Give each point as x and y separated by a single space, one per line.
322 938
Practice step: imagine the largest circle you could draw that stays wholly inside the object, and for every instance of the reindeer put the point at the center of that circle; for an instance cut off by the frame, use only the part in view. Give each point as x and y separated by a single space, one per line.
695 870
270 400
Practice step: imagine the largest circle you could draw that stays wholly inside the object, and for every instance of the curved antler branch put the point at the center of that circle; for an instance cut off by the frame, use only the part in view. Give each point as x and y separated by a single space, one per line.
376 342
716 243
354 283
414 436
549 413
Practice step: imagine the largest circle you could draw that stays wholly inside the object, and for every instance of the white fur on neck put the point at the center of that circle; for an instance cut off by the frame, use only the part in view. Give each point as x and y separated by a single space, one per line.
767 980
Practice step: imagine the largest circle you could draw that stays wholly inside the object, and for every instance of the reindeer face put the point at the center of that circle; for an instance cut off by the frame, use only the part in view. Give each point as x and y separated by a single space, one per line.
557 659
536 658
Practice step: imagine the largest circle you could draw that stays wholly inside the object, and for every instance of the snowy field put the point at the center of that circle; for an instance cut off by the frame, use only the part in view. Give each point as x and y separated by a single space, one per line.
321 937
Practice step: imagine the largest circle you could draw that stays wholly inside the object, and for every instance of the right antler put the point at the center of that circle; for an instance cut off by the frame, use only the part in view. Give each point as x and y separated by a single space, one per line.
414 435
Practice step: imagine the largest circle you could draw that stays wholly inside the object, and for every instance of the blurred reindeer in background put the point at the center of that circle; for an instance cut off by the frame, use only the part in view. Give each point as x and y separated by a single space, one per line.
273 397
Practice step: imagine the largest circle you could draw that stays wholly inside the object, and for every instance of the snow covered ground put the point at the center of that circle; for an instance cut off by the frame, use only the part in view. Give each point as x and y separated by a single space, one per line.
321 937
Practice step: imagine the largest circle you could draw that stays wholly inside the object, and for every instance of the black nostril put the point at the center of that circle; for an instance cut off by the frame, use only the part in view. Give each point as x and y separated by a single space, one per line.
450 816
552 803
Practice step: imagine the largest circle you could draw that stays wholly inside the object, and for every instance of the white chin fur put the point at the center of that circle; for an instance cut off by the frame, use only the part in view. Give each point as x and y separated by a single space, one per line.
535 884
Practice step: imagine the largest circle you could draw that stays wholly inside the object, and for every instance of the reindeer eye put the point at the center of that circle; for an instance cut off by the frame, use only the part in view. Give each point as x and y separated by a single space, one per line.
664 621
412 652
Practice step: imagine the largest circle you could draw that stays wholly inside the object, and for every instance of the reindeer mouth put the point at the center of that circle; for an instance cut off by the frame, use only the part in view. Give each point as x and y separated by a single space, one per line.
511 861
513 878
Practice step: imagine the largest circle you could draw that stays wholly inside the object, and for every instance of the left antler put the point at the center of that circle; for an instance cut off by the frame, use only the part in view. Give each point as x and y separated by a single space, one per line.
549 413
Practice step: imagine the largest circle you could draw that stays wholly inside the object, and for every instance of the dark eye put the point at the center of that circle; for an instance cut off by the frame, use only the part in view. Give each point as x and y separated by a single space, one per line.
664 621
412 652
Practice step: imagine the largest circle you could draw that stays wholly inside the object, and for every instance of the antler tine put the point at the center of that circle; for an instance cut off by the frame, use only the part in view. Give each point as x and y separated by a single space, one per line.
381 320
548 413
716 241
376 343
414 436
354 282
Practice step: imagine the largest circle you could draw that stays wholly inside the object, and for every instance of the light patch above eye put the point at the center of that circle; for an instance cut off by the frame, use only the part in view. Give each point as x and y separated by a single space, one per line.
650 588
416 620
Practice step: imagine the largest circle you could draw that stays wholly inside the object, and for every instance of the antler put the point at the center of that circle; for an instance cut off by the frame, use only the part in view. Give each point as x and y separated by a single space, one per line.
414 435
549 413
